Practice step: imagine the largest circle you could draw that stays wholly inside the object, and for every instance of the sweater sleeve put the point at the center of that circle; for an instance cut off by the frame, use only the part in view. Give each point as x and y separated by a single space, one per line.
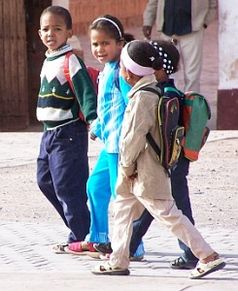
83 87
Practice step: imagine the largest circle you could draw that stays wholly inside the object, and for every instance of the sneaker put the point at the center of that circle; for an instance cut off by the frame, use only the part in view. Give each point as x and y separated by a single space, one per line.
181 263
104 248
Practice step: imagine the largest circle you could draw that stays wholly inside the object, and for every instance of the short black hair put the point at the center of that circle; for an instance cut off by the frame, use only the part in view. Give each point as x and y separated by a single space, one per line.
60 11
144 54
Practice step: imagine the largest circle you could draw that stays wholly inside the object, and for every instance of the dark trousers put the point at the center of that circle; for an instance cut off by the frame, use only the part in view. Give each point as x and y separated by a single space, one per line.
62 173
180 193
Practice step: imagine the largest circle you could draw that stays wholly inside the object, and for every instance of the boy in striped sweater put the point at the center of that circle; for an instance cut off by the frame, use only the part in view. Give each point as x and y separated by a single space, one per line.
65 110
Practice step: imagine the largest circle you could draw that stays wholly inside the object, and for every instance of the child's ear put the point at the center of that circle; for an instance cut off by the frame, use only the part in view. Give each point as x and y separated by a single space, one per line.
121 43
130 75
70 33
39 32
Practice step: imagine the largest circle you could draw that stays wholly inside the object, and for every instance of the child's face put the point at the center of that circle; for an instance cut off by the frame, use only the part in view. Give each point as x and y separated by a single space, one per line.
104 48
53 31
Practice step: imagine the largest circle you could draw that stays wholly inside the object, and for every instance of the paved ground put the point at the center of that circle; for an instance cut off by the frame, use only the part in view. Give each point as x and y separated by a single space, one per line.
29 226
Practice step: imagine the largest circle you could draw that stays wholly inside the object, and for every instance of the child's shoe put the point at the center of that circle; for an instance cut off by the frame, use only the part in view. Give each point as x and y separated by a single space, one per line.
211 264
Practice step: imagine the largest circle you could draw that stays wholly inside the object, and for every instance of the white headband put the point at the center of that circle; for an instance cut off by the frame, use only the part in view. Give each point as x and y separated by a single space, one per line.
133 66
111 21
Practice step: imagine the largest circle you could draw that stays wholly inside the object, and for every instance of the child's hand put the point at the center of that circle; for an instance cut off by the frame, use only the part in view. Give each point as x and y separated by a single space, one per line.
133 176
147 31
92 136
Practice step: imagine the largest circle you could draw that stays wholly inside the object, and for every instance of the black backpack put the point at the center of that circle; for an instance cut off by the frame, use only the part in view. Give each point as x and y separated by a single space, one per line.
170 132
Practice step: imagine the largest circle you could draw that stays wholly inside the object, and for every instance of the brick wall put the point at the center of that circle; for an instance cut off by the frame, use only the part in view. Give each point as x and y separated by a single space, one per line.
85 11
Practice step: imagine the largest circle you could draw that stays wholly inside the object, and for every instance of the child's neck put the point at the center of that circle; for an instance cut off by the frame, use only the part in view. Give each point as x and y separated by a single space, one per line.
164 78
60 48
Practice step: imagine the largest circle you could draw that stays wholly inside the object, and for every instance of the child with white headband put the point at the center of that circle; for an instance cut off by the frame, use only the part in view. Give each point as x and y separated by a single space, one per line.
169 54
107 40
141 179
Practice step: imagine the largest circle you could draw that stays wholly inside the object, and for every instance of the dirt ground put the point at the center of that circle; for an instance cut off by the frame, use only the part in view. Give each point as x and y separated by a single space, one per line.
213 181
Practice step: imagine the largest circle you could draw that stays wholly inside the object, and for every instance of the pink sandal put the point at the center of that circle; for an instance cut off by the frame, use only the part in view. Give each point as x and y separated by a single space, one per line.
81 247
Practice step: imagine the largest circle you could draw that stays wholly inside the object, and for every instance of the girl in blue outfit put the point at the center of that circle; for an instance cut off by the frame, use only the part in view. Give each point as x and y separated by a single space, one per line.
107 40
62 164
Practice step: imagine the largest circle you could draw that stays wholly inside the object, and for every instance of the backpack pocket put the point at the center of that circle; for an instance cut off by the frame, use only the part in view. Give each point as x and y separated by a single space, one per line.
176 146
171 132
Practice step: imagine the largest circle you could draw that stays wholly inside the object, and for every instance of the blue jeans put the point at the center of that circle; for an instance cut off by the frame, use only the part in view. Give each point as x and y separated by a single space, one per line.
180 193
100 188
62 173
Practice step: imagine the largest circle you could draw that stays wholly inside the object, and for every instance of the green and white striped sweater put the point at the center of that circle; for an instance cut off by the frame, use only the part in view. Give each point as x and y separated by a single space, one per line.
57 103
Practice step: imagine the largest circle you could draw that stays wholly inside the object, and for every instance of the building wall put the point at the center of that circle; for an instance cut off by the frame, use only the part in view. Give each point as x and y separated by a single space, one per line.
63 3
227 98
85 11
228 20
13 60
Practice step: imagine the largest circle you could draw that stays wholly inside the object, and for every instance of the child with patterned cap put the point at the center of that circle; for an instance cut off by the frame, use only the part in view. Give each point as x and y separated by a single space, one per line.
142 180
179 184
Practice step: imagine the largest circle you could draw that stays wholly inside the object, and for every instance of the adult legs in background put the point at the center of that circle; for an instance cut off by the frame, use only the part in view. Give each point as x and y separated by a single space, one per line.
191 48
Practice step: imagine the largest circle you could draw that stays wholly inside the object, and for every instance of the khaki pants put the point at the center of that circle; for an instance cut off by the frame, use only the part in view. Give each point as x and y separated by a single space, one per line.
126 210
190 47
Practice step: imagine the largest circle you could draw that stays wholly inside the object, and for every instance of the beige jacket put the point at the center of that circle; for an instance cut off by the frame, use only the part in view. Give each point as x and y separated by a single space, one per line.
136 156
203 12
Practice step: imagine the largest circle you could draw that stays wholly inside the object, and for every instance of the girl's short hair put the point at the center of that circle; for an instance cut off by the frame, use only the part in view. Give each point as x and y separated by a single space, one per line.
112 26
169 54
144 54
60 11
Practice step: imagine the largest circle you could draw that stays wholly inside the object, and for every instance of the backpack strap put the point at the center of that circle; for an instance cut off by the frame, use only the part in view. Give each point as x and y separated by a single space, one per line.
93 74
69 80
149 137
66 70
153 144
152 89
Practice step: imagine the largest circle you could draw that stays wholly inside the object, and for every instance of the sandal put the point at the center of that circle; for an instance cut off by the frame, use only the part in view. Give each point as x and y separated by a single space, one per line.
203 269
80 248
104 257
60 248
104 248
181 264
107 269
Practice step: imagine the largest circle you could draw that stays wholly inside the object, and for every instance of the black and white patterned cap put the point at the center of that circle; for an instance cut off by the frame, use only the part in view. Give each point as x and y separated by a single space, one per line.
167 62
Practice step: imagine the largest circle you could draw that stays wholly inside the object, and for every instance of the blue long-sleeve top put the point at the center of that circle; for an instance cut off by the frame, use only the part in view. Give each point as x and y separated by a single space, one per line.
112 101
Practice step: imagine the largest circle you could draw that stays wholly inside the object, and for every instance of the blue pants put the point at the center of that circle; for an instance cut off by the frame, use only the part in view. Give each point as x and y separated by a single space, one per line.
62 173
180 193
100 188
